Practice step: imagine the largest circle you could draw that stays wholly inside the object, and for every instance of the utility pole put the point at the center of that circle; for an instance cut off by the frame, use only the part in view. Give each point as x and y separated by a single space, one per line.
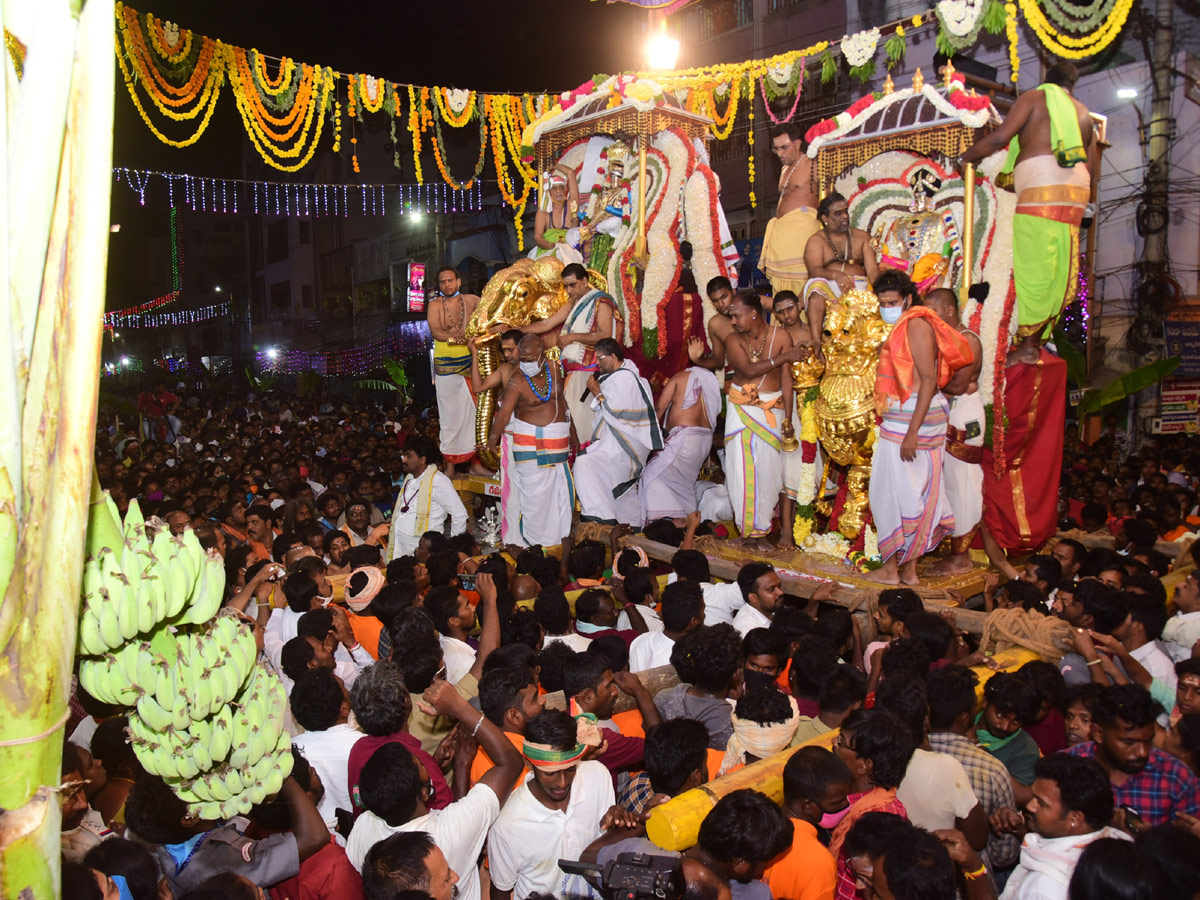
1158 163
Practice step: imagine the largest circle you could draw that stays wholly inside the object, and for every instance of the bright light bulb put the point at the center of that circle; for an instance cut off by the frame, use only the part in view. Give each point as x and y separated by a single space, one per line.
217 289
1127 93
662 51
415 216
124 360
272 353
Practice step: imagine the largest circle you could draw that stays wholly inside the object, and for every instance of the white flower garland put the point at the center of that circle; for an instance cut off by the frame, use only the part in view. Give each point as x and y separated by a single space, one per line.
959 16
664 258
781 74
456 99
970 118
859 48
707 262
832 544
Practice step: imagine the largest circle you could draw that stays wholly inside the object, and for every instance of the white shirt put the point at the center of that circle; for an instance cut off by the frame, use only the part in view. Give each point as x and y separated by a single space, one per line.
650 650
1180 635
1160 666
936 790
749 618
649 615
529 839
458 657
576 642
444 501
1047 864
459 831
328 752
721 602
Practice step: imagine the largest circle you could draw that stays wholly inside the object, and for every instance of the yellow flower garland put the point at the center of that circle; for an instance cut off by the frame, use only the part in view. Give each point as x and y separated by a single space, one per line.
1070 47
750 142
441 97
157 34
372 104
1010 30
282 80
414 128
305 144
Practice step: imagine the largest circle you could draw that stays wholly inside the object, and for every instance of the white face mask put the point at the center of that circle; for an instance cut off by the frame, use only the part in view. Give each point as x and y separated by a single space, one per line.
531 368
891 314
325 601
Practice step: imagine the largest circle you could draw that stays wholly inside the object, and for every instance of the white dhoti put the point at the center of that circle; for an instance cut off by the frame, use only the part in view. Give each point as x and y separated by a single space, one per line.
542 482
962 463
510 497
456 403
753 462
669 481
609 471
574 387
908 499
793 463
713 502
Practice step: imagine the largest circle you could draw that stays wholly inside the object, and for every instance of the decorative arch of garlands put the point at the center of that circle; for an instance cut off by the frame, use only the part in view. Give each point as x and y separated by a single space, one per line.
287 108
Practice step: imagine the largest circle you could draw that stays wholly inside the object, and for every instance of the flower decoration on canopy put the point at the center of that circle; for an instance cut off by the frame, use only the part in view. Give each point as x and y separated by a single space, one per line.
1086 28
959 17
859 50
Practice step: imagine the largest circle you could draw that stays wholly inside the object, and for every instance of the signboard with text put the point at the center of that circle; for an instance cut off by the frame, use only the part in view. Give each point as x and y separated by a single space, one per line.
1180 406
1183 340
416 287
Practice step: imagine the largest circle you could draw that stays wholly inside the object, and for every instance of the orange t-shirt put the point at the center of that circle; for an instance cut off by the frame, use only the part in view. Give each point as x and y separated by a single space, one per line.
366 631
715 758
483 762
807 871
629 723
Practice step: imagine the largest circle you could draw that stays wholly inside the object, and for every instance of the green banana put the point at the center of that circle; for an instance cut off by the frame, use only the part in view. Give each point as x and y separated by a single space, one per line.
91 642
110 628
104 526
152 713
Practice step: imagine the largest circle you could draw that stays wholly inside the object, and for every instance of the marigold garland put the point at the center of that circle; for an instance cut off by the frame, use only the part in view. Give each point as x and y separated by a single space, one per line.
303 137
175 51
1071 47
283 77
1010 30
441 98
414 128
372 104
750 143
439 152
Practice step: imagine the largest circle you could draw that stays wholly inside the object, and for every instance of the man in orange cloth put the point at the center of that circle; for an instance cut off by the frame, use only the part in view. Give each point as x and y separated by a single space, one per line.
908 495
1021 468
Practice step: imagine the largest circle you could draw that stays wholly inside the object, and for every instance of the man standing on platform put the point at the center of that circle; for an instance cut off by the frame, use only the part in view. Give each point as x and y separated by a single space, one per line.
964 441
839 259
608 471
757 414
1053 157
593 316
720 328
907 493
786 306
688 407
448 315
795 221
498 379
542 436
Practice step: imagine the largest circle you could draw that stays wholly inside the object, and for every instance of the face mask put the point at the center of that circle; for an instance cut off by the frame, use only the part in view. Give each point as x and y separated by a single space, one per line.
891 314
530 368
325 601
829 821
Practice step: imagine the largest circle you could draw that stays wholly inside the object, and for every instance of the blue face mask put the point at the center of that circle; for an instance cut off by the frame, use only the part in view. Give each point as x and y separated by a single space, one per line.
891 314
122 886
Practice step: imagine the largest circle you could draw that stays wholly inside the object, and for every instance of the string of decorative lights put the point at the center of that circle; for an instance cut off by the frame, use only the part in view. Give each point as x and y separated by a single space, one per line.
403 339
111 318
114 321
280 198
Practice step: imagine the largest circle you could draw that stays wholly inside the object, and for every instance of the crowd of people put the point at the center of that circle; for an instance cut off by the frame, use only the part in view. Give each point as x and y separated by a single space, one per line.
462 722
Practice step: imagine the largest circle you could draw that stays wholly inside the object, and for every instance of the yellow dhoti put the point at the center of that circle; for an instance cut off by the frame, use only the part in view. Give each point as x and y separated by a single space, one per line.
782 259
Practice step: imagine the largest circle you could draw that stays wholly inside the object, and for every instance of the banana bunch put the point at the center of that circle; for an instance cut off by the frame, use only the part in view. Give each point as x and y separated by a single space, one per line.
258 723
132 584
226 791
212 665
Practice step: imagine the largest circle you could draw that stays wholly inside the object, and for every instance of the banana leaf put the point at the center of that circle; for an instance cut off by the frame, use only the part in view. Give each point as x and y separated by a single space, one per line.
374 384
397 373
1129 383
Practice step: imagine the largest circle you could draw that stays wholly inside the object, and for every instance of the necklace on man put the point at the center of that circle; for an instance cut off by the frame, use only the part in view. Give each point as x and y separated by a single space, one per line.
405 500
756 355
838 255
549 385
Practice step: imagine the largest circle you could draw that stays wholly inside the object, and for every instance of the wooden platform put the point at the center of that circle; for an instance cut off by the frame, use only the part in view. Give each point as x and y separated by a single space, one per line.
725 559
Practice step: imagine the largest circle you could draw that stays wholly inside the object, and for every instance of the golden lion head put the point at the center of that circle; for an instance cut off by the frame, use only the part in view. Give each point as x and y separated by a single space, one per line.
527 291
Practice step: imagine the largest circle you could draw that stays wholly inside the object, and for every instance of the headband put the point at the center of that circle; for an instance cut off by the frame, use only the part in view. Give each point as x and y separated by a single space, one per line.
547 759
361 599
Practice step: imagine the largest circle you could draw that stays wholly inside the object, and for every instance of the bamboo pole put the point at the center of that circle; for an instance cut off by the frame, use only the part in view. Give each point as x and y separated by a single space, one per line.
640 249
58 157
968 233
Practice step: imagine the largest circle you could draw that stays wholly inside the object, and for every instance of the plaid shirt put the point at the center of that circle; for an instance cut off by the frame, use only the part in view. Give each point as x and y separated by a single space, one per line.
1157 793
991 784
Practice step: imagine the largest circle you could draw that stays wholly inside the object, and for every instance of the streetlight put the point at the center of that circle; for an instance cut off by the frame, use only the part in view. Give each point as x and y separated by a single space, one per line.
662 50
217 289
415 215
1127 93
125 360
272 353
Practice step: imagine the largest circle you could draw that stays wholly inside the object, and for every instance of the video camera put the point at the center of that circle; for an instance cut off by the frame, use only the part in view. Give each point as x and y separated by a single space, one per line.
632 876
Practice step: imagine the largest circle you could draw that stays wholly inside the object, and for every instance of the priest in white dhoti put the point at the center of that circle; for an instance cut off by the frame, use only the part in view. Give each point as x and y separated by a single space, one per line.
427 498
447 316
593 317
626 432
688 407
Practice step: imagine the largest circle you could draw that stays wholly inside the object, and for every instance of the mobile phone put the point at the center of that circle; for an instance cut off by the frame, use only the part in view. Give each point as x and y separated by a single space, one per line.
466 582
1133 822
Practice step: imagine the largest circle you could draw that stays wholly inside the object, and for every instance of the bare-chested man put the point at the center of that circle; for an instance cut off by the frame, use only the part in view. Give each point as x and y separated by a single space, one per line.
542 437
757 415
720 327
1053 156
961 467
795 221
907 492
786 307
688 408
498 378
839 258
448 315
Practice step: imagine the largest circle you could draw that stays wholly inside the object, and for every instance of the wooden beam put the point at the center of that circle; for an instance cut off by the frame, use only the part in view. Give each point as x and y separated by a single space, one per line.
849 596
656 680
1170 549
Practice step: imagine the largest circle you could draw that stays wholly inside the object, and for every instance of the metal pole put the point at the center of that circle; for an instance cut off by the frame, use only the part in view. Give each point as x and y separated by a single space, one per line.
640 250
968 233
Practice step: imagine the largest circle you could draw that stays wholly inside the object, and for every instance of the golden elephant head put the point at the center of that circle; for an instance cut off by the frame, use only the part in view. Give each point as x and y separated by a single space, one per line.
527 291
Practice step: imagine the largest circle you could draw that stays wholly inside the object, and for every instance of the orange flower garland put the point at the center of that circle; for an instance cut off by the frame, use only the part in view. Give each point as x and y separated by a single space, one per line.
309 109
439 150
441 98
352 110
283 78
173 53
372 104
414 128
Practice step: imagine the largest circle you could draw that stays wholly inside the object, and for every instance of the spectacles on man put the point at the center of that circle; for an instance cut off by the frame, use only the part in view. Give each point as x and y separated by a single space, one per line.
844 743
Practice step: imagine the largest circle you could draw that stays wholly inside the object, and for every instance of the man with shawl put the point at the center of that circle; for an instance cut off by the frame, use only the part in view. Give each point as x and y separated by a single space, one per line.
626 432
907 493
426 498
688 407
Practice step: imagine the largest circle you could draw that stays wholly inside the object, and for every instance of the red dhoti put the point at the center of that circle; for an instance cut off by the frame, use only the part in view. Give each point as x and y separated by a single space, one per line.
1020 507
